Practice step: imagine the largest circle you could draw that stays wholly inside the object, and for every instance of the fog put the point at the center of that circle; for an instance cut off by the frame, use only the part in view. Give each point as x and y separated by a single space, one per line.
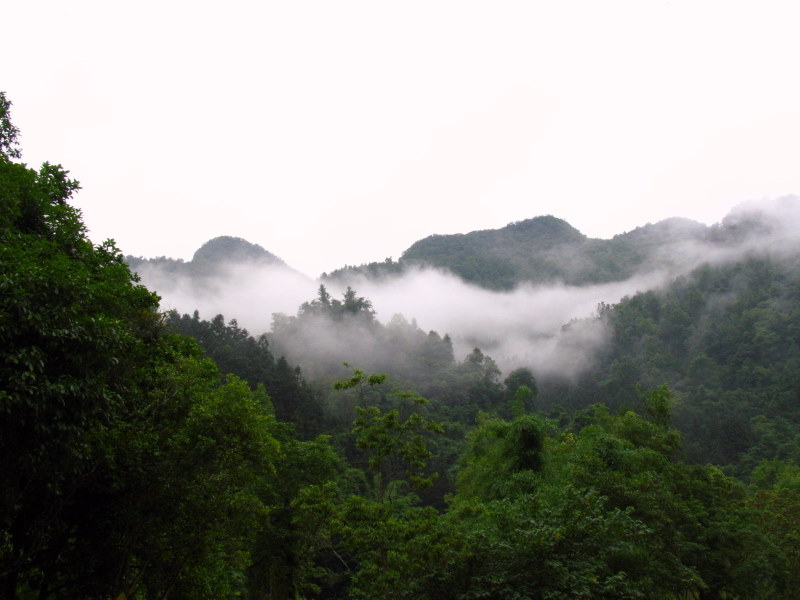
247 292
523 327
547 328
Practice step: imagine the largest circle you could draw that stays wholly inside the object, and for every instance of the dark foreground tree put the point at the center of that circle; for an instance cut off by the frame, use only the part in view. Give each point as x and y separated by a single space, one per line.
127 468
74 329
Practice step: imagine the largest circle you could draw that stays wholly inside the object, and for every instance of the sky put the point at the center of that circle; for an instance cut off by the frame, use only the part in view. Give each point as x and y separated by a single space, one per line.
336 133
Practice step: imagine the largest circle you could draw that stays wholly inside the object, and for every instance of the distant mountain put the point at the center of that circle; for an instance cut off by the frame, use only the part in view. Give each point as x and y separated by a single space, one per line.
216 267
210 258
539 250
535 249
226 249
778 218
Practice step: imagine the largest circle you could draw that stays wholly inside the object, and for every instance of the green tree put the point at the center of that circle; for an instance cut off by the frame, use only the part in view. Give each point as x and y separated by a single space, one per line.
521 390
498 452
236 351
397 444
187 493
367 546
75 329
290 543
8 132
130 467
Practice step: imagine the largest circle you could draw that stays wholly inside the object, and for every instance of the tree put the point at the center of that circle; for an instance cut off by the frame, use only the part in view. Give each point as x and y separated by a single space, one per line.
397 445
8 132
483 375
129 466
521 389
75 328
498 452
235 351
178 513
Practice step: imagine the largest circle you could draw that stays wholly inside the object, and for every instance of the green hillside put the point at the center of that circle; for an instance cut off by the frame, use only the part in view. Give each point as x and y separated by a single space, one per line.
539 250
726 339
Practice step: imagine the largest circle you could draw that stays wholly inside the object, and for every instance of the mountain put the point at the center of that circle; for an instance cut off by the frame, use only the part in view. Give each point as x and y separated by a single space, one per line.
721 329
716 341
211 257
536 249
726 339
540 250
225 249
218 268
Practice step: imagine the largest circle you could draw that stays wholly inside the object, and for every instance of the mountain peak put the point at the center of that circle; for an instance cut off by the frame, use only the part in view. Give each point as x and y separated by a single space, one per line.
545 229
226 248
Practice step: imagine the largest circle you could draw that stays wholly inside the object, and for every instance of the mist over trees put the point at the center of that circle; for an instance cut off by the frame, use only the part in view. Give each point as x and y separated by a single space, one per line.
149 453
542 250
726 338
737 311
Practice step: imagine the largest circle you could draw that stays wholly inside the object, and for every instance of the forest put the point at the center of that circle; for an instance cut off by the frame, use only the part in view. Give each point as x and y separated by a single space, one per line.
159 454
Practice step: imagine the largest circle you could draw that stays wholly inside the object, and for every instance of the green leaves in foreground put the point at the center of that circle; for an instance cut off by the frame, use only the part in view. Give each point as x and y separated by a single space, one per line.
128 468
606 512
396 443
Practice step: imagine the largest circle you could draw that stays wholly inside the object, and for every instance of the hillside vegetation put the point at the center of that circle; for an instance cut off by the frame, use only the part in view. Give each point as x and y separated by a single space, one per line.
538 250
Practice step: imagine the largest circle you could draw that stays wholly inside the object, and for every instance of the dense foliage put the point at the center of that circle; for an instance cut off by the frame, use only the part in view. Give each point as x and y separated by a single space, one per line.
130 468
727 339
235 351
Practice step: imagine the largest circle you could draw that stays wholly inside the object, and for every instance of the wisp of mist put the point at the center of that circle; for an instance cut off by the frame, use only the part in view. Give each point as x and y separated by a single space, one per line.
522 327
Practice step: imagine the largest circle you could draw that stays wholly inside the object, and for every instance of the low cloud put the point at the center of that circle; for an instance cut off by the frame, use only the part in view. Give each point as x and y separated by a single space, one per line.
246 292
547 328
522 327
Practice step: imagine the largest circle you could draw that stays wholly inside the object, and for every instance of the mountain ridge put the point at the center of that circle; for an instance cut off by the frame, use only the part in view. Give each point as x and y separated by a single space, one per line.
542 249
539 250
211 258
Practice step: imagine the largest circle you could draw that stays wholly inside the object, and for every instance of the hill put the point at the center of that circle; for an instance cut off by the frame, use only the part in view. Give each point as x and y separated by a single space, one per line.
215 267
539 250
212 256
726 339
546 249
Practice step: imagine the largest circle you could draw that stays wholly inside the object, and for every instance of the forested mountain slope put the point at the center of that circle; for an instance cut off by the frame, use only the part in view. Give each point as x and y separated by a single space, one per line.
727 340
545 249
539 250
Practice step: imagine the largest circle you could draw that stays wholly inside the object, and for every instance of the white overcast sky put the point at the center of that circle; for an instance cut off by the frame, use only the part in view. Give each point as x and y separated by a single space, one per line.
341 132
